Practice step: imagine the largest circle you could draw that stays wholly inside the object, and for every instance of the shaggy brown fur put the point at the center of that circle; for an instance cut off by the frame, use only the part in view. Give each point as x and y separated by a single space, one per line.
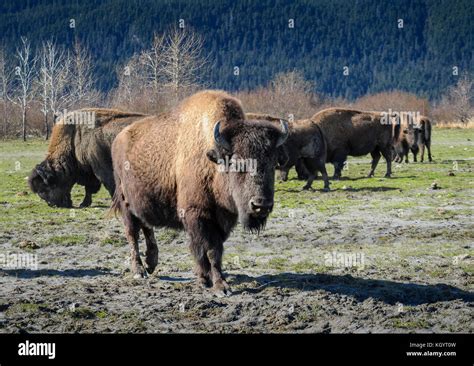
305 147
356 133
79 154
166 175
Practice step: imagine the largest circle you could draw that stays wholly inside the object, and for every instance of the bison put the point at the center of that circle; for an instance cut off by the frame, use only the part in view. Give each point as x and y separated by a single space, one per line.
356 133
414 137
181 170
79 153
306 149
424 137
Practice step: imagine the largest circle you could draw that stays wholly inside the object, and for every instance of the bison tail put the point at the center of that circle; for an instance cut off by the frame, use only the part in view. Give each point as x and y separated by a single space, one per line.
116 206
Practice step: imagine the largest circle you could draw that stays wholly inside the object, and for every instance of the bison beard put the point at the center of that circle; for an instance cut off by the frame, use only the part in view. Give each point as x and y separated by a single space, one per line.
167 174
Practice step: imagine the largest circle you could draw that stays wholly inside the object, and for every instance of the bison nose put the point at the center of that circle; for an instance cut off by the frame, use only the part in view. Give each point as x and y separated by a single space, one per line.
260 206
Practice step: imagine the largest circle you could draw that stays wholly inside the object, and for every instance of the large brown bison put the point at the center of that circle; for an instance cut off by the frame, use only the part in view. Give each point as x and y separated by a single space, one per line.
79 153
356 133
306 149
201 167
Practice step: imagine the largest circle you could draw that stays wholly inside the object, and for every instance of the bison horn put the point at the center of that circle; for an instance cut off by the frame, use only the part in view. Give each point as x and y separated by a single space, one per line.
43 175
220 140
284 133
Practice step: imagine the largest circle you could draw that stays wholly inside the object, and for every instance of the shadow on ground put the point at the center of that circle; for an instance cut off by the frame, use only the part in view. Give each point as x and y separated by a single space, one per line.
30 273
361 289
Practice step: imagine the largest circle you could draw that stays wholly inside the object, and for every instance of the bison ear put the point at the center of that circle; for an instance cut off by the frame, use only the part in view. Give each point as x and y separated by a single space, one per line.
213 156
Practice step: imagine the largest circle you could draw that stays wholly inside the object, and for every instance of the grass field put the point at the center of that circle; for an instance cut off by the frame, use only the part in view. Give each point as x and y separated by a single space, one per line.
374 254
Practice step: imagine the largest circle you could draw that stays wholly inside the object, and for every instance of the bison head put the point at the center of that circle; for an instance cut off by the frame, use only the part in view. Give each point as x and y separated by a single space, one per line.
51 185
247 152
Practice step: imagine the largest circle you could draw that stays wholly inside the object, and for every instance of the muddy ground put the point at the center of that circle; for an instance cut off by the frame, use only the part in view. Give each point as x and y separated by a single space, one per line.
372 255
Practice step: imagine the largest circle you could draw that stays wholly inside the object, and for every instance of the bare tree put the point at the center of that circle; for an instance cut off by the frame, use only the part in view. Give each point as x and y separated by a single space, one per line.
82 80
43 88
5 83
153 63
183 62
460 98
131 84
25 74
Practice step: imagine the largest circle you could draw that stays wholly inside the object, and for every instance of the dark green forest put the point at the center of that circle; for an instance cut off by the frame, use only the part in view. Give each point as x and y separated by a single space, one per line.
254 35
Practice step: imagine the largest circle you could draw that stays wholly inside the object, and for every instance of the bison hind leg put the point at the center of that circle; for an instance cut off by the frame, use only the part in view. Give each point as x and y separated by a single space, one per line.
132 233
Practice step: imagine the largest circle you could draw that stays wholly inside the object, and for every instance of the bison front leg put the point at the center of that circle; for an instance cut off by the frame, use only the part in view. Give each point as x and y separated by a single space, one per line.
151 259
202 267
220 286
284 173
206 243
91 188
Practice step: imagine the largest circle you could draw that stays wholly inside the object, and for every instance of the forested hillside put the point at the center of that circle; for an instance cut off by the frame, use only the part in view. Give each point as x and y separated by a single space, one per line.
257 37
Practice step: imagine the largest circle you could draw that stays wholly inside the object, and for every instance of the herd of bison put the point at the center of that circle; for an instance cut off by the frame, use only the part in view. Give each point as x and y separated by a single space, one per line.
205 165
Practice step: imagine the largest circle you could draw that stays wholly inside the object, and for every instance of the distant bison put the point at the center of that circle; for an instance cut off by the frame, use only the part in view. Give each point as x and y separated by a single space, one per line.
201 167
306 149
79 153
414 136
424 137
356 133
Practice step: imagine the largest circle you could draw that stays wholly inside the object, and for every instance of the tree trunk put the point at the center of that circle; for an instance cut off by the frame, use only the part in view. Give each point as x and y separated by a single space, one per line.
46 126
5 119
23 123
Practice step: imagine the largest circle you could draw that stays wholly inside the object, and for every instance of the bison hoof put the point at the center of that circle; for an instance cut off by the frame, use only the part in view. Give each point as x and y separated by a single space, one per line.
221 289
139 272
85 204
326 189
388 176
151 262
203 281
308 188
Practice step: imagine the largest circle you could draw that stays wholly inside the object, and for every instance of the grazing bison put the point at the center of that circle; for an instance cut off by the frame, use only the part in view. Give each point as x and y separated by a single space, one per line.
184 170
356 133
306 149
79 153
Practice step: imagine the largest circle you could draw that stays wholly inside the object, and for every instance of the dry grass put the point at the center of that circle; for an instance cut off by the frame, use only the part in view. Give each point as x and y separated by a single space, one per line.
444 124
